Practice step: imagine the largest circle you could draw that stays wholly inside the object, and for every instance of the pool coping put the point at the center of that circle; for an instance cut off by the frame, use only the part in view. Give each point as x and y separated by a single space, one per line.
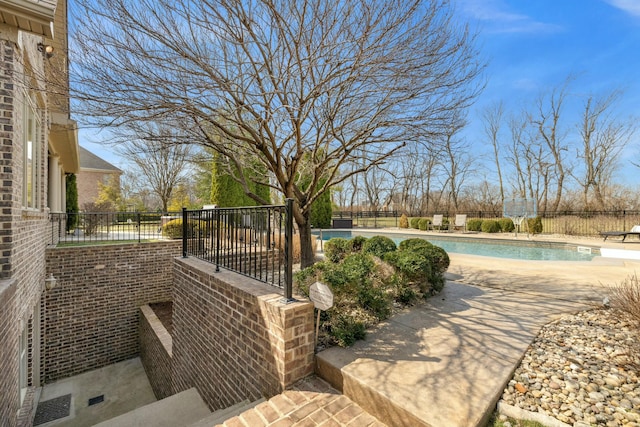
606 249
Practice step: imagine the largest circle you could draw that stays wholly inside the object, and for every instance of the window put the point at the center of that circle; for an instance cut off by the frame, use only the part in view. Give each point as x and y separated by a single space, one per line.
22 360
32 153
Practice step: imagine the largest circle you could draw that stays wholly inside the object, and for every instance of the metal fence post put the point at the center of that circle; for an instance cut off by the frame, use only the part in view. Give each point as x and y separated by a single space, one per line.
288 251
139 222
218 237
185 230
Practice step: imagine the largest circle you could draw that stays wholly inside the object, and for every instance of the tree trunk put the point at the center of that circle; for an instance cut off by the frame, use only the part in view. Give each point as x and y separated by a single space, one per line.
307 254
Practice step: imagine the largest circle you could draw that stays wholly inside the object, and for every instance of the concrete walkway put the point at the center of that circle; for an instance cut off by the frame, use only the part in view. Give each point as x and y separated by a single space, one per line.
446 363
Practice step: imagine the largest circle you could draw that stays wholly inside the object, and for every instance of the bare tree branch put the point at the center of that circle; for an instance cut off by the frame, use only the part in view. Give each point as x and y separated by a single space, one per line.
280 80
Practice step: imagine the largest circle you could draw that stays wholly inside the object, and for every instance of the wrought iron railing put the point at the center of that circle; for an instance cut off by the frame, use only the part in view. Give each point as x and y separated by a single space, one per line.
253 241
88 227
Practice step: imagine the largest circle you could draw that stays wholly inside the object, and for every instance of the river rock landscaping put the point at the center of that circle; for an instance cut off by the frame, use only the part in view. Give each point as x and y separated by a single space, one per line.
583 370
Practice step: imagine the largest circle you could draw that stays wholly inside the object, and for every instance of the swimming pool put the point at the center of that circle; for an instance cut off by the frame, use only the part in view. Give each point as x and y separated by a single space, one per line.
526 250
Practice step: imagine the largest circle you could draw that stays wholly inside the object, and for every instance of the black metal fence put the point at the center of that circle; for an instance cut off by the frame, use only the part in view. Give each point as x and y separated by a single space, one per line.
570 223
88 227
253 241
368 219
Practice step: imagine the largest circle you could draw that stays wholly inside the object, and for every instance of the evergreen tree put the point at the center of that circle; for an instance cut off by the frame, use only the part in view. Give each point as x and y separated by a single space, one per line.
227 192
321 211
72 201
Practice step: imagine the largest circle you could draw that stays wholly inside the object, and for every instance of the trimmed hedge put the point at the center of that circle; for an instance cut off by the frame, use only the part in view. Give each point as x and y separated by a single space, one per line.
336 249
378 246
535 225
173 228
356 243
365 287
490 226
413 222
506 225
424 224
474 225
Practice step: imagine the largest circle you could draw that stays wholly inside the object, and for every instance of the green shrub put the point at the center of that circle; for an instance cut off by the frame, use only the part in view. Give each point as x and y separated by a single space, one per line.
490 226
439 258
404 222
173 228
436 254
474 225
409 244
336 249
414 222
506 225
535 225
413 265
379 245
356 243
365 287
346 330
357 267
421 262
424 223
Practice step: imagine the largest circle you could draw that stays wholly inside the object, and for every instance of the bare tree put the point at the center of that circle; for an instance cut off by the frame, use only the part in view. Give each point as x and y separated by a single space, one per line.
603 139
493 118
457 163
280 80
546 119
158 159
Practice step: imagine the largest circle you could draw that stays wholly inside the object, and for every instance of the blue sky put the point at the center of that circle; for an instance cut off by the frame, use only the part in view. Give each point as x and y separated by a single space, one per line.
532 46
535 45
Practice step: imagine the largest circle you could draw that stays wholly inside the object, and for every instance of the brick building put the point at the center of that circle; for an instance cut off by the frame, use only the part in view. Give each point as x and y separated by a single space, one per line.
39 146
93 172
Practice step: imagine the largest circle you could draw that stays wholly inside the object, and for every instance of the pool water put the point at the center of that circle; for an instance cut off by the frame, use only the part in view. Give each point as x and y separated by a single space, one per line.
525 250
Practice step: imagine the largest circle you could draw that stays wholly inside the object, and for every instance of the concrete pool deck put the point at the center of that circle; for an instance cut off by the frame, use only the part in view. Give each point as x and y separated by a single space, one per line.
446 363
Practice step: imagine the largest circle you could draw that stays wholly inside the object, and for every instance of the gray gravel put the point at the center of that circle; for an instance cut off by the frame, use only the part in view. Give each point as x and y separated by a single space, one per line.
583 370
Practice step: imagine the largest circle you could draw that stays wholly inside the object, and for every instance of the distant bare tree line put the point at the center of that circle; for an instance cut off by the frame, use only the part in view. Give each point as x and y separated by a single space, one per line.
536 153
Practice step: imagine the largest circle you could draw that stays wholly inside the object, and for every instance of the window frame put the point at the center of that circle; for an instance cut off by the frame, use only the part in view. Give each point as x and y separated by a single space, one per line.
32 158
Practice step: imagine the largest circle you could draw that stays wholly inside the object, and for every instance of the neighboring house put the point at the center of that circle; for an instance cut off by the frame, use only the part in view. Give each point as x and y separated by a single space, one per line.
93 171
38 142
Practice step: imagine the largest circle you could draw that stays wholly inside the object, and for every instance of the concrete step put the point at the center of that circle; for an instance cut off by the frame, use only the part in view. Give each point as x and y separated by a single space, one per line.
178 410
221 415
329 367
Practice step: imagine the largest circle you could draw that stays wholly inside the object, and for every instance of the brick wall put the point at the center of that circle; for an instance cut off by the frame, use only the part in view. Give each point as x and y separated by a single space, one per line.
22 231
155 352
9 398
234 338
91 317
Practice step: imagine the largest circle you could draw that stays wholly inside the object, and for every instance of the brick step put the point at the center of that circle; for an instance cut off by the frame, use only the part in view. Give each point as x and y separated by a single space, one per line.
174 411
311 402
221 415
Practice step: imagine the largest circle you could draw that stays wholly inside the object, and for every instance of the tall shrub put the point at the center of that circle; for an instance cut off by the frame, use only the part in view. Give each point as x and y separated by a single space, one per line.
404 221
535 225
506 225
72 201
227 192
321 211
490 226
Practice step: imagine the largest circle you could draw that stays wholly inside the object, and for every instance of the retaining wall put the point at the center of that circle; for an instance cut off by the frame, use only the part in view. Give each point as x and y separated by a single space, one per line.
91 317
234 338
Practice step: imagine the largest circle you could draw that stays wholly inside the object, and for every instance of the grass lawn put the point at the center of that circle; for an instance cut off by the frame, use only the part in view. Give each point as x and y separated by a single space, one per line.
103 242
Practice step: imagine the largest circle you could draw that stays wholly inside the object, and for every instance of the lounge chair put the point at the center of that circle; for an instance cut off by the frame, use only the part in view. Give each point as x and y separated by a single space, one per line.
437 222
460 222
635 231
